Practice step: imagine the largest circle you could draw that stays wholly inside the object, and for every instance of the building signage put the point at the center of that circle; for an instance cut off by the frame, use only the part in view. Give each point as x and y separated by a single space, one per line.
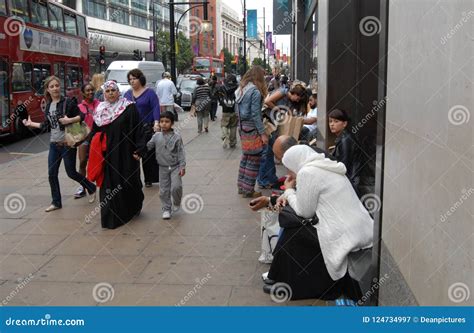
283 16
46 42
252 23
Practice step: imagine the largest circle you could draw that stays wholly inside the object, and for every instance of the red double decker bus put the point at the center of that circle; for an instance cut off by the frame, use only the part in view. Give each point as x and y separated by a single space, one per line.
38 38
207 66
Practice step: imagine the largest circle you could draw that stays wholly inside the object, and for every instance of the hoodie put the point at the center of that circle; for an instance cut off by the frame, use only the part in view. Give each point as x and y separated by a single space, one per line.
323 189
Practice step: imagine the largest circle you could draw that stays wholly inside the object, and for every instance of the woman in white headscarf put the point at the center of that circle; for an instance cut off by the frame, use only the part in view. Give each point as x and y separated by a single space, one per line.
323 222
117 145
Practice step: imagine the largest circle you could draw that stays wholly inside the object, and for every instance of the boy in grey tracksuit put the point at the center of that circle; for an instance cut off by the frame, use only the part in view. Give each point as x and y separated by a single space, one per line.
169 151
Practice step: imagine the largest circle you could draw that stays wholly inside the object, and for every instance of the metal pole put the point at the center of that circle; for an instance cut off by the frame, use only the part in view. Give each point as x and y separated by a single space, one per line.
172 43
245 36
154 31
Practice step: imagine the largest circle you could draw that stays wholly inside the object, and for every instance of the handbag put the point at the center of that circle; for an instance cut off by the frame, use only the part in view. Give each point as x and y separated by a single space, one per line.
250 141
75 133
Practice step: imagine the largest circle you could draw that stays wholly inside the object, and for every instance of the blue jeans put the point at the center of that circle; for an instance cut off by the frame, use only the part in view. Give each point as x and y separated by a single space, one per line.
267 172
57 153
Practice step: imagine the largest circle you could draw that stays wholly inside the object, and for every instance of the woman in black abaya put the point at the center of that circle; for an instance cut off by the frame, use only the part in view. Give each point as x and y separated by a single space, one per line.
117 145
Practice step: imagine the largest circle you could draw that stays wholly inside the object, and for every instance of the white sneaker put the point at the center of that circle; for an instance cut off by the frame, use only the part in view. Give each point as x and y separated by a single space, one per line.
225 145
176 208
166 215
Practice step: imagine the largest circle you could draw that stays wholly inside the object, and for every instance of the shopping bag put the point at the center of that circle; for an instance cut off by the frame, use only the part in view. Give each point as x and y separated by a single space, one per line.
76 133
270 229
291 126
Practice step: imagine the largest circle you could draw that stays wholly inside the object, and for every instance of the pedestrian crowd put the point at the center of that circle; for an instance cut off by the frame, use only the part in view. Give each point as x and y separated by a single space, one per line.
317 202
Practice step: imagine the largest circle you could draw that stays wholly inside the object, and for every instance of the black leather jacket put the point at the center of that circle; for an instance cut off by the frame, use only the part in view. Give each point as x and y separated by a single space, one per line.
71 110
347 151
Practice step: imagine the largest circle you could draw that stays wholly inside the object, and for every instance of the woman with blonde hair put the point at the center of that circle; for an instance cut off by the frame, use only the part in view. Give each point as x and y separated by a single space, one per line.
97 82
60 111
249 99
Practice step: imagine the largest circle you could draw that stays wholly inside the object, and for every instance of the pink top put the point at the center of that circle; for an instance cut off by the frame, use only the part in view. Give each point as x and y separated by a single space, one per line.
88 109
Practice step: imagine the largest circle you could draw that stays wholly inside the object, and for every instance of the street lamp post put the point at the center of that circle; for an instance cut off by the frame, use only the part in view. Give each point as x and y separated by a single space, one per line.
173 33
154 30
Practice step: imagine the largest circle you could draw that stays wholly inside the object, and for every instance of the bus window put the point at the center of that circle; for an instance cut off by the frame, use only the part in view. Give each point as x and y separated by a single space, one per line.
59 72
70 21
40 73
39 13
20 8
56 17
3 7
73 77
81 26
3 93
21 77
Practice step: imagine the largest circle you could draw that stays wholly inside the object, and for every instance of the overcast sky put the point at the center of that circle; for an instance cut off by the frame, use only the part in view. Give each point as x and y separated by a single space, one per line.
259 5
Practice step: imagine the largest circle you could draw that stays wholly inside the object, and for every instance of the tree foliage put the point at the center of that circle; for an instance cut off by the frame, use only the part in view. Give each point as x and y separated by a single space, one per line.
184 52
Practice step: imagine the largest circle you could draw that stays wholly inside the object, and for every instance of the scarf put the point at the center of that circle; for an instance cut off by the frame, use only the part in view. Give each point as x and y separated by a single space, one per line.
301 156
107 112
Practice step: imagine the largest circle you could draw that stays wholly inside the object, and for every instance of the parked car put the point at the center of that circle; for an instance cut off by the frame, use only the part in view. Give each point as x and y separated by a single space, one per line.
186 86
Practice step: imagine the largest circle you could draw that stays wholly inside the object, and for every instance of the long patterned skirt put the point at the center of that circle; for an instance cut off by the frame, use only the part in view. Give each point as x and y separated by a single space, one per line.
248 172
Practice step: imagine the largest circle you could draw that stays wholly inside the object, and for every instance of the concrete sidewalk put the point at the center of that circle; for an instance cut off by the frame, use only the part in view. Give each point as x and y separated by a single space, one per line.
205 255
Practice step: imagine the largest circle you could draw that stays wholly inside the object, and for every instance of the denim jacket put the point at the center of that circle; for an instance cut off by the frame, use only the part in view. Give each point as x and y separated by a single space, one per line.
249 106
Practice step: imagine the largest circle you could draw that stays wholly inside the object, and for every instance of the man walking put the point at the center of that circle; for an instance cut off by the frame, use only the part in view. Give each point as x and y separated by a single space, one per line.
165 89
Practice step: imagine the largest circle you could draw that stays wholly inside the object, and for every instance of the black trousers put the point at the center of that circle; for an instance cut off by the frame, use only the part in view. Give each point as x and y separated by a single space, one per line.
149 164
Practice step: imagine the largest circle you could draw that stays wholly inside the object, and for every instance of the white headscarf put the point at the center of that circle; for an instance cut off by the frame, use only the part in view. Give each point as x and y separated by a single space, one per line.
107 112
300 156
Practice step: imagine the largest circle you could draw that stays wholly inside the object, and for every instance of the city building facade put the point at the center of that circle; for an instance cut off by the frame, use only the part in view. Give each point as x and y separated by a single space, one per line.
206 43
122 26
232 30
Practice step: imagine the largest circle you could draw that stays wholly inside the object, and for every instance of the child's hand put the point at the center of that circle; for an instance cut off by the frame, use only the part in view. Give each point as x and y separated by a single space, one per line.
182 172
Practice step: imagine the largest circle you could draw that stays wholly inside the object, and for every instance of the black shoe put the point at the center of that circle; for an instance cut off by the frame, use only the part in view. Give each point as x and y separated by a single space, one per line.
148 184
267 288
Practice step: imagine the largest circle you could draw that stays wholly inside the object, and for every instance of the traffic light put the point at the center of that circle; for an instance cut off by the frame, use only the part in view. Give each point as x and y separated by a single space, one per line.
136 54
261 44
102 55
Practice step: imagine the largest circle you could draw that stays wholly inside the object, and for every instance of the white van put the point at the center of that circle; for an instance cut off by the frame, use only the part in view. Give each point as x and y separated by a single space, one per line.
118 70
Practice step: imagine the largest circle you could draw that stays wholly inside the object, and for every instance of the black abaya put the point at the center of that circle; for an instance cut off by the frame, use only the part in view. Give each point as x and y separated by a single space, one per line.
298 261
121 195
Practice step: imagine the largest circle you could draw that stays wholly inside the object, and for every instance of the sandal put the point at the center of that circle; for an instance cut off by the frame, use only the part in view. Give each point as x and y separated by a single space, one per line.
252 195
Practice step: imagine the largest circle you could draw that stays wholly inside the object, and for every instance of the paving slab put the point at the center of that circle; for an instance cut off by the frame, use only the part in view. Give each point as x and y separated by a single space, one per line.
205 255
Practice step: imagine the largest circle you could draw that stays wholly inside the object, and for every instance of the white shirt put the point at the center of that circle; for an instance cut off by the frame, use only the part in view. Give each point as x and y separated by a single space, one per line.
312 114
165 89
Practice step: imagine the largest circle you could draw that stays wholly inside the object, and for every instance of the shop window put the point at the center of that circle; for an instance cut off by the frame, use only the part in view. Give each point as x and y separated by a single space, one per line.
21 76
